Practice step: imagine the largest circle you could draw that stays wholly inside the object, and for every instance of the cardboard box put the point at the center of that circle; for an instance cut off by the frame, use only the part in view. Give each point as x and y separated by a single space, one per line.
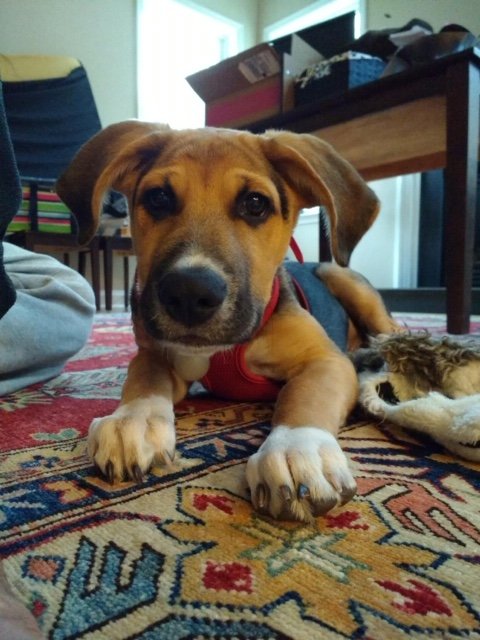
260 82
255 84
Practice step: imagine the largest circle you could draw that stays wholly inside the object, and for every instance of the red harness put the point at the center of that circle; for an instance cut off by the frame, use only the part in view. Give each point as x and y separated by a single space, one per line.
228 375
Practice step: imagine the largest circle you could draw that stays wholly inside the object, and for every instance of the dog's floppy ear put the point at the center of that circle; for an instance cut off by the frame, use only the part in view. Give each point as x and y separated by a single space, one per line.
77 186
321 177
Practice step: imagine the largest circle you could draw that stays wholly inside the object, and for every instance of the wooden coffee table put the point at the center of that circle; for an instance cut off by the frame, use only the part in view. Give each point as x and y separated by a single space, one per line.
417 120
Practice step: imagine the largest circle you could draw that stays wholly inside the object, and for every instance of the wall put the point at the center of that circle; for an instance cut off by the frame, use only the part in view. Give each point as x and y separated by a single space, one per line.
245 12
387 13
101 33
271 11
392 13
387 254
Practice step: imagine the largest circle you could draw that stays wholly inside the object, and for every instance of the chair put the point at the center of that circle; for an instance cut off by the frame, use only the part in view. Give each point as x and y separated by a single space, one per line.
51 112
116 239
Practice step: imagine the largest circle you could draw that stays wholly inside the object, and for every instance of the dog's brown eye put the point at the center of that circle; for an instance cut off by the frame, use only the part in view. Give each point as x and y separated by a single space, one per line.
254 206
160 201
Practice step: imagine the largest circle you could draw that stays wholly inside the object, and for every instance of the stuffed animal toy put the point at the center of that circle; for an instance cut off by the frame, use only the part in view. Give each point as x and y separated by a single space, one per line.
424 383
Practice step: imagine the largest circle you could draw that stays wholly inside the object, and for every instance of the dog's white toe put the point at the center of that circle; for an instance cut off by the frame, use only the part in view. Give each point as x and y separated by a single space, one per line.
125 444
299 473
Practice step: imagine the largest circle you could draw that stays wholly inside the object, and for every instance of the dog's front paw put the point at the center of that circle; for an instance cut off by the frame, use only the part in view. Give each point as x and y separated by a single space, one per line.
299 473
125 444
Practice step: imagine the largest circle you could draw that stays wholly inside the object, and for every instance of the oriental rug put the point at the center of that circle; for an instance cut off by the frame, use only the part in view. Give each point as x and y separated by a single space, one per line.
184 555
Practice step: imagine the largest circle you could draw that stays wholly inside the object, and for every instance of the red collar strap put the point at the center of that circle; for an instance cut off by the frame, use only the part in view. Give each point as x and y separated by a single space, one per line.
272 303
297 252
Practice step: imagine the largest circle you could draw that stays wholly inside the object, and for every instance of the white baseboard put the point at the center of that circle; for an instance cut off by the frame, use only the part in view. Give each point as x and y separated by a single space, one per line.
118 303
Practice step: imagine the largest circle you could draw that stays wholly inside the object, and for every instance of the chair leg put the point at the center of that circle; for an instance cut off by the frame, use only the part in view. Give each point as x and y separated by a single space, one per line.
95 266
82 262
126 281
108 271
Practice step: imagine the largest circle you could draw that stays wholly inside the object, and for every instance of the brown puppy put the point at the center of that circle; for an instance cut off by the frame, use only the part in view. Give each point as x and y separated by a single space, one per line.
212 214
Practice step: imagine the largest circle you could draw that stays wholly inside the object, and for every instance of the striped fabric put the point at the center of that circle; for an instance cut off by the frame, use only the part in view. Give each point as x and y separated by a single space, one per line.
49 215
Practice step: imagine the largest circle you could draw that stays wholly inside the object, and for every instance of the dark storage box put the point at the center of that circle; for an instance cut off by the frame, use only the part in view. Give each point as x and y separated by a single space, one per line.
338 74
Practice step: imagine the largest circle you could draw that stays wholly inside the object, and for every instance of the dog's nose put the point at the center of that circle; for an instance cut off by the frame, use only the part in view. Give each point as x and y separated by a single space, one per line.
191 296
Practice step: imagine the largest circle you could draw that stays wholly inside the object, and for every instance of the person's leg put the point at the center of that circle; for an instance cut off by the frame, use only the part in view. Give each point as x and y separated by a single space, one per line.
49 322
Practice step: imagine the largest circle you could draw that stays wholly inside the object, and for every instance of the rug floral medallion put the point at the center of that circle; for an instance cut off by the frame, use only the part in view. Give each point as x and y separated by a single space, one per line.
184 555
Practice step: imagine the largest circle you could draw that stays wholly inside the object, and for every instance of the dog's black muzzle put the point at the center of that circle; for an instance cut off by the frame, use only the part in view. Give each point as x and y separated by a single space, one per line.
191 295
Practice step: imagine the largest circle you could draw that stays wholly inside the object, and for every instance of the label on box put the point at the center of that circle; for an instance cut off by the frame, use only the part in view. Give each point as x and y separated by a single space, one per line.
260 66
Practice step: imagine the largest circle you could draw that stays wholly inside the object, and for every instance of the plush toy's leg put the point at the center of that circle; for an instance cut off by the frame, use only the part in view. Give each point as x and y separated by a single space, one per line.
454 423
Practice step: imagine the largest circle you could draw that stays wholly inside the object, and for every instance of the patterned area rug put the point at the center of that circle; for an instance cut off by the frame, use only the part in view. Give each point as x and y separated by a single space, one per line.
184 555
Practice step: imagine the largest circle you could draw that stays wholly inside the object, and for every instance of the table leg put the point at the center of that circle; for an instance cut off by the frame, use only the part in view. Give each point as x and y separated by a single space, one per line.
463 103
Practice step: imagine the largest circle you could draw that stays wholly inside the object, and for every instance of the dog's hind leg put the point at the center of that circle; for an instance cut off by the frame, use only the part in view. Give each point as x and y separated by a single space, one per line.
361 301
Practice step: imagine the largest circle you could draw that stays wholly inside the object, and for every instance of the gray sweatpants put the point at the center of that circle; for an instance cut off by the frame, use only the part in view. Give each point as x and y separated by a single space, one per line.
49 322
